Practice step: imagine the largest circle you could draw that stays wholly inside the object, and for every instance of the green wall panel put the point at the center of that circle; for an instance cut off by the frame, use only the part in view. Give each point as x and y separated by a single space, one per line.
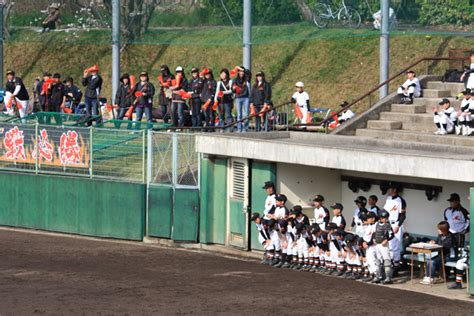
213 200
260 173
185 215
471 242
160 209
73 205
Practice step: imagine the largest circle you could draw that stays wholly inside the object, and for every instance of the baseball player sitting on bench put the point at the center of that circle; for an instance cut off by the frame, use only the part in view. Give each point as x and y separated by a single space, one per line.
465 115
446 118
410 89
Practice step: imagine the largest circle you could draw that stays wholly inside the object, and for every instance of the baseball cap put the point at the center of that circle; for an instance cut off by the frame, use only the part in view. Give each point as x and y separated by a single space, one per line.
454 197
444 101
467 92
393 185
299 84
268 184
331 226
281 198
340 232
179 69
410 72
143 73
283 224
297 209
10 72
194 70
337 206
384 214
254 216
318 198
361 199
56 76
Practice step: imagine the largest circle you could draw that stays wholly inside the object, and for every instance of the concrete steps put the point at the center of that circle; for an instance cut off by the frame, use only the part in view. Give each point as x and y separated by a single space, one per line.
431 102
453 87
412 126
433 93
413 122
424 137
408 108
384 125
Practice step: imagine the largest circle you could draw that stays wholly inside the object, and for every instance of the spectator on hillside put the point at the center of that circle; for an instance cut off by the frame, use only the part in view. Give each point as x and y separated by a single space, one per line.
446 118
36 96
43 90
124 97
468 75
164 97
93 83
58 94
242 101
53 19
207 96
73 94
260 99
224 97
410 89
144 92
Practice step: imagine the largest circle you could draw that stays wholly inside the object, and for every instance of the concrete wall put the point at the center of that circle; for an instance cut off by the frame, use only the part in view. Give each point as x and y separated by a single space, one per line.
422 215
301 183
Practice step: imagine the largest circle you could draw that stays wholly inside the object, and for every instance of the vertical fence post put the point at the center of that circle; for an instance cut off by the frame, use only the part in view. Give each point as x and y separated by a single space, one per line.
36 148
91 159
144 156
149 176
174 164
287 117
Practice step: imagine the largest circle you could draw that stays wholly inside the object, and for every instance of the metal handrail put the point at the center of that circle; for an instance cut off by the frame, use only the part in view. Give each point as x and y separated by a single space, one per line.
224 126
367 94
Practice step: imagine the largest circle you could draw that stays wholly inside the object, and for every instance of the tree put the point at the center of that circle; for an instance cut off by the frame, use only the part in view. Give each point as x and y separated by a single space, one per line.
304 9
7 9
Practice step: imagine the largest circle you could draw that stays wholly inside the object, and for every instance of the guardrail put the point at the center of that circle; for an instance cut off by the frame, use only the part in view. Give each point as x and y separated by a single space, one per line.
368 94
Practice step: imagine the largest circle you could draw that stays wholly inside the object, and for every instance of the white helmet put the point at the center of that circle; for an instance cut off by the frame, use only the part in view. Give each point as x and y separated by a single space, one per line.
299 84
179 68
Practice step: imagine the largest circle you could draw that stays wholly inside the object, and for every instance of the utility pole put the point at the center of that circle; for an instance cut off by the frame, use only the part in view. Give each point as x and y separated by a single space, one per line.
384 47
2 7
247 59
115 47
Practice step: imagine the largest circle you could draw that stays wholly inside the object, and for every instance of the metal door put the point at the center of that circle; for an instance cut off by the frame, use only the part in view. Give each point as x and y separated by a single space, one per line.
237 208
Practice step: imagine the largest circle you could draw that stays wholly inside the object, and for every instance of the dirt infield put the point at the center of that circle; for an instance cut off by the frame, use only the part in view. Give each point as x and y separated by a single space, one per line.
62 275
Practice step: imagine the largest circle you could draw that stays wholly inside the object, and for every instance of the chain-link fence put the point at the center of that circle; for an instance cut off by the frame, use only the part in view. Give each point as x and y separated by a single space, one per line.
88 152
337 61
173 160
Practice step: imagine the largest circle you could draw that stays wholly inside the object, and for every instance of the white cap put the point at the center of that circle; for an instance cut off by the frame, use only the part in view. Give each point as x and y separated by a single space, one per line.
299 84
179 68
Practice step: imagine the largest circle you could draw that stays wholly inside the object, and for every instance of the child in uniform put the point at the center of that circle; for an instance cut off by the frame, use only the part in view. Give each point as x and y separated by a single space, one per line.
446 118
301 100
338 219
381 237
321 213
465 115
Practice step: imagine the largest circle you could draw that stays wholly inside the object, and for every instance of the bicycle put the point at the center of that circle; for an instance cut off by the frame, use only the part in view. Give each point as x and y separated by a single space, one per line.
323 13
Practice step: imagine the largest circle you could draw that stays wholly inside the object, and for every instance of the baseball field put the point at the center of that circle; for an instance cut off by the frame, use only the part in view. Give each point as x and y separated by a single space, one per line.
51 274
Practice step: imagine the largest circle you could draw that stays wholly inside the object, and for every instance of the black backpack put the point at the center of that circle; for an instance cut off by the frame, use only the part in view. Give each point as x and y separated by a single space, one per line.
452 75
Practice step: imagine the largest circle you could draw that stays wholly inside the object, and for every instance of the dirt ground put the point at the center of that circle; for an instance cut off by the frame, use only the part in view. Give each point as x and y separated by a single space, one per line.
63 275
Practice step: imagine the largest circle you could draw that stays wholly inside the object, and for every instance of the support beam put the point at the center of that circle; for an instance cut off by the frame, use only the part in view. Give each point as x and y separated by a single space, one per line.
384 47
2 8
247 58
115 47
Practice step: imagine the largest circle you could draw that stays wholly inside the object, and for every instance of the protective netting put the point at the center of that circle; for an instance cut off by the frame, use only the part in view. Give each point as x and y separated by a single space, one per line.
337 62
218 22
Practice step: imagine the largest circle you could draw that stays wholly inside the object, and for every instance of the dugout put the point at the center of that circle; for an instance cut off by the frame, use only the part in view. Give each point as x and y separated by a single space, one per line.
302 165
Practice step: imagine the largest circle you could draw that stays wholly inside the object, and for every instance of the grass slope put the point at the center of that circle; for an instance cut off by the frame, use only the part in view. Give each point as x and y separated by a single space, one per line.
335 65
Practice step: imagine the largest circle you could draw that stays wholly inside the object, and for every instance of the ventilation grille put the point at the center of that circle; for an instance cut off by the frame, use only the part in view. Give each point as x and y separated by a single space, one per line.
239 179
